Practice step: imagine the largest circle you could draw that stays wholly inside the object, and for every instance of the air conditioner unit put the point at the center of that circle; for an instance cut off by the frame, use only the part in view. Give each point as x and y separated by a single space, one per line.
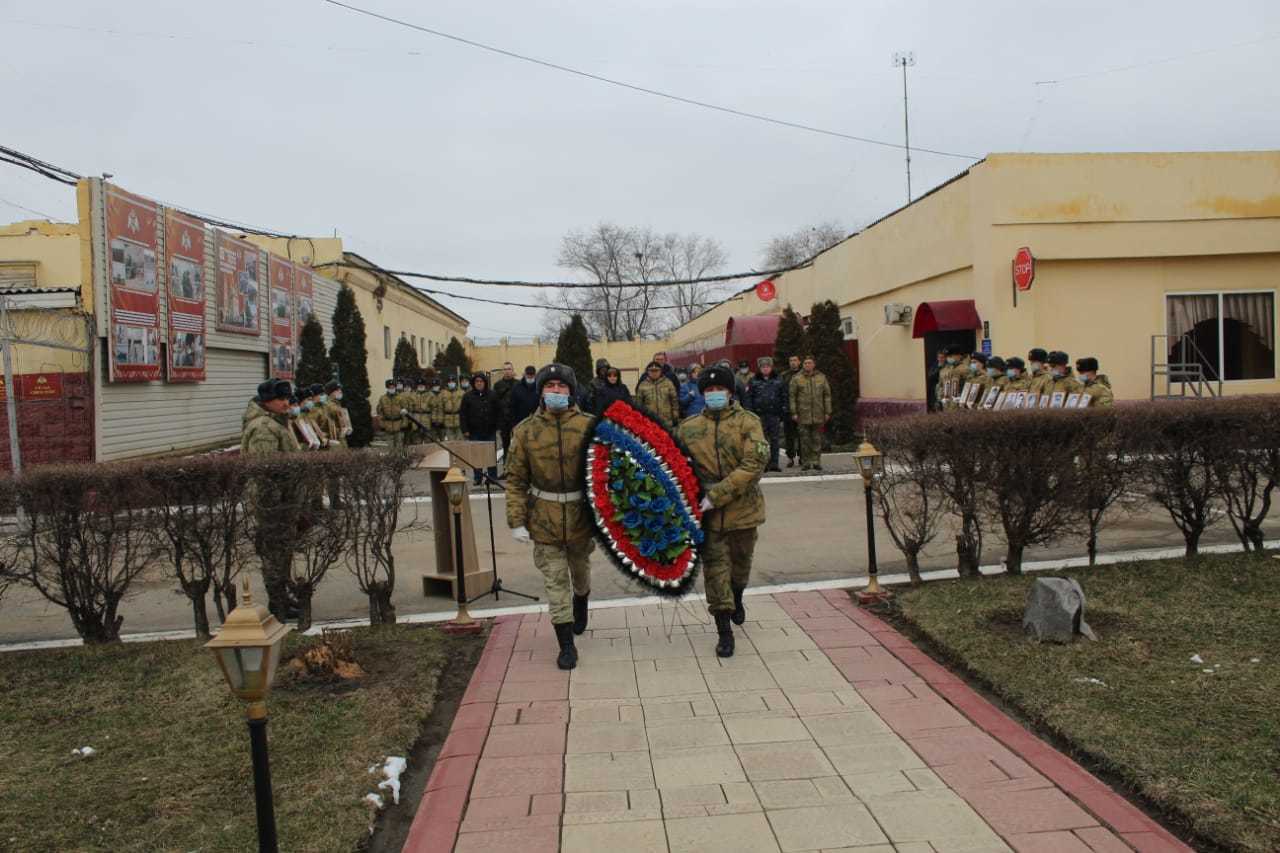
897 314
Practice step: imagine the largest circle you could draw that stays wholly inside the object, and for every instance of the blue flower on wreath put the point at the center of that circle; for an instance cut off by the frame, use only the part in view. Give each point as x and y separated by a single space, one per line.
655 523
632 519
648 547
639 502
659 504
617 485
675 536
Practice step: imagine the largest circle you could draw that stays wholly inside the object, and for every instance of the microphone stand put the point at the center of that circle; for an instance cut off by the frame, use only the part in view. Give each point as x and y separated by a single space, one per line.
496 587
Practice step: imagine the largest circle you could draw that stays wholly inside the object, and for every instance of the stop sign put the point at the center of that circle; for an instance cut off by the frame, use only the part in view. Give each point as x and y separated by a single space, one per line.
766 290
1024 269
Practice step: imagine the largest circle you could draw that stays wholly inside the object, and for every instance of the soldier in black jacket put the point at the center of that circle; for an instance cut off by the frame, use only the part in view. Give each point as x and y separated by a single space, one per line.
767 397
523 399
480 414
502 388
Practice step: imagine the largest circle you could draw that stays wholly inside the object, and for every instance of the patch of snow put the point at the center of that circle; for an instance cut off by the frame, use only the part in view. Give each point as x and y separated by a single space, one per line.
374 799
1197 659
85 752
1091 681
392 769
1255 660
1209 671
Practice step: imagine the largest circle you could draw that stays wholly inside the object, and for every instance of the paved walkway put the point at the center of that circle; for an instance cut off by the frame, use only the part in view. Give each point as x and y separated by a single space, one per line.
827 731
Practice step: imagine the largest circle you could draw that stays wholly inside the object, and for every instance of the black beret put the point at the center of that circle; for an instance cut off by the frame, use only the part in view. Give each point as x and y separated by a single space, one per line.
332 385
1088 364
1059 357
716 375
315 390
1014 361
979 356
1037 354
996 361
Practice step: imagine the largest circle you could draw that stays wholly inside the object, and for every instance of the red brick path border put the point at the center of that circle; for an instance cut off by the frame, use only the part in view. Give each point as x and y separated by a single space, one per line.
1097 798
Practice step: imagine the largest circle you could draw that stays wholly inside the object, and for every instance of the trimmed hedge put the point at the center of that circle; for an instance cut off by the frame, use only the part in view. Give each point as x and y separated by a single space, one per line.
1046 475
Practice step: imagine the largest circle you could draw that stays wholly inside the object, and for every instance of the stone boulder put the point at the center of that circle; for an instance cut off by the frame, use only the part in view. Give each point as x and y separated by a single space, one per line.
1055 611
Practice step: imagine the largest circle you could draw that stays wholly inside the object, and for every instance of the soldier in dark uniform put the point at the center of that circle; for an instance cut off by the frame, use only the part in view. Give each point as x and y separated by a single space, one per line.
767 397
791 432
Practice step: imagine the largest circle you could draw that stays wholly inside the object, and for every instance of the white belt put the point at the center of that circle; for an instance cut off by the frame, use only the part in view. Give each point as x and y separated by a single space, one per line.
557 497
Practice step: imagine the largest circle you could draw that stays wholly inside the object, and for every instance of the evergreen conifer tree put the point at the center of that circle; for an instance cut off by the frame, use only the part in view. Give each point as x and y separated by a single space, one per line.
313 361
453 361
790 339
573 348
406 361
824 340
348 353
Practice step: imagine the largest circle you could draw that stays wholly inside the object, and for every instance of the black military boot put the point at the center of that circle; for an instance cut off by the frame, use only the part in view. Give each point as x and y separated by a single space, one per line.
724 648
568 658
739 612
579 613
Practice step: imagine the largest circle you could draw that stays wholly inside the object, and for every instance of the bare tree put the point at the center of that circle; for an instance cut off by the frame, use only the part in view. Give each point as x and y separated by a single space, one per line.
610 255
906 494
787 250
1180 471
1108 467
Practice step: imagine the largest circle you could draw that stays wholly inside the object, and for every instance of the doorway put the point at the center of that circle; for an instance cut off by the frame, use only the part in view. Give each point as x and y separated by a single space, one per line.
934 341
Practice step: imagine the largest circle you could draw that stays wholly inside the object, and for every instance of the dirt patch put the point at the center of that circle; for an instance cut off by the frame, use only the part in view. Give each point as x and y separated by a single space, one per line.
393 824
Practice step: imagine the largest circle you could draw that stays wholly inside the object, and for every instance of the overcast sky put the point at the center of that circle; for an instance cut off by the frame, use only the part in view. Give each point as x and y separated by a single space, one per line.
431 155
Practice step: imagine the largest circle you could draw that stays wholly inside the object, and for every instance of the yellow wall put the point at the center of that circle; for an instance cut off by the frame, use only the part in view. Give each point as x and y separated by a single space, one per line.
1112 235
55 247
628 356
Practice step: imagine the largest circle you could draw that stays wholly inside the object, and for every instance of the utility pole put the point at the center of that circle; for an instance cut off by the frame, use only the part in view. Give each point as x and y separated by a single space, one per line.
904 59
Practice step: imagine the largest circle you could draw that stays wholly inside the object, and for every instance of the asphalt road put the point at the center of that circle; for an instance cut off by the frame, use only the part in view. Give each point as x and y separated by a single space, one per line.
816 531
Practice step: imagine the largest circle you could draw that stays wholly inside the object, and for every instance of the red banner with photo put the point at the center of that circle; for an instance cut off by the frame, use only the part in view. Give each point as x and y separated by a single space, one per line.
132 246
238 263
184 269
280 274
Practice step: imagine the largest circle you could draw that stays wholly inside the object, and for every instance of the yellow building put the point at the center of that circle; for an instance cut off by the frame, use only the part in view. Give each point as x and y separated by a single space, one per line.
150 338
392 308
1142 260
629 357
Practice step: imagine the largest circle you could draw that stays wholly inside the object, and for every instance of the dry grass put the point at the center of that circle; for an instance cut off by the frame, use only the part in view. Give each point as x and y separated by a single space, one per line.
172 771
1204 748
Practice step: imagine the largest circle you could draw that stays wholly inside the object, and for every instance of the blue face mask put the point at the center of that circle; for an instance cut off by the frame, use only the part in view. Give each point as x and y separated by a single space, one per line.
309 405
992 372
716 400
324 398
556 402
295 411
1011 373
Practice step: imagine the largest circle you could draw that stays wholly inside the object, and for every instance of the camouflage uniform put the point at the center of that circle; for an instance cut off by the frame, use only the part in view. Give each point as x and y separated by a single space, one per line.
791 435
1067 385
338 418
1040 381
810 403
450 406
1099 391
951 380
320 422
546 458
393 423
982 380
265 432
659 398
729 454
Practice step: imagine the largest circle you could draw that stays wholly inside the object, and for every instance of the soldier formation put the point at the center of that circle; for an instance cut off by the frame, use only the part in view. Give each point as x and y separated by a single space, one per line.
965 380
283 419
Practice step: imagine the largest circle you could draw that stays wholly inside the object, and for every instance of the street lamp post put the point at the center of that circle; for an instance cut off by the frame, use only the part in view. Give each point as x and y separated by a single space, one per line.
248 650
870 466
455 485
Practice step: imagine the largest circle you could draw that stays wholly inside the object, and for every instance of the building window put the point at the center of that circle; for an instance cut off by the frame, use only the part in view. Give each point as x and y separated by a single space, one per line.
1230 335
386 342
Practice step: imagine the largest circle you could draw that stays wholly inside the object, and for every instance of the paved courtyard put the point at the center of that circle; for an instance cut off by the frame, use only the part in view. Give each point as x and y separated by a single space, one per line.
827 731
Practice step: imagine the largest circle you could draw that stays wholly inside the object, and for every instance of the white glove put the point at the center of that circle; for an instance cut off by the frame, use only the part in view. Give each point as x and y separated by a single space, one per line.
706 505
346 432
521 535
404 412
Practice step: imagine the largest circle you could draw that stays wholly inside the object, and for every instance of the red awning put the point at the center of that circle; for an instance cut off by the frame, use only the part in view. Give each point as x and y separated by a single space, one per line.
760 329
948 315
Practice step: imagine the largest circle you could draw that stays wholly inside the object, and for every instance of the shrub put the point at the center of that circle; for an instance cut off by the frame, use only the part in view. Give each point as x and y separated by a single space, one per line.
88 532
907 494
824 340
573 348
349 355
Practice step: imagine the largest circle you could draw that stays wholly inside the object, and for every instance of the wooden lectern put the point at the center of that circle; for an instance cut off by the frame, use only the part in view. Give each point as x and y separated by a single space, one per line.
442 579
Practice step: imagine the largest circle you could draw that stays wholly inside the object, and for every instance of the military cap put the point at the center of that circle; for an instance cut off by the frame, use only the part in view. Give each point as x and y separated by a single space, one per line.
651 365
716 375
602 364
997 362
273 389
435 383
743 363
530 370
763 360
315 390
979 356
1088 364
479 375
391 383
332 385
555 370
294 400
1015 362
1059 357
1037 354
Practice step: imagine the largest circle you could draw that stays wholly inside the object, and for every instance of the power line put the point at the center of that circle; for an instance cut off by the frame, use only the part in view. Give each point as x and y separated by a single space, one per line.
1161 61
572 285
27 209
574 309
599 78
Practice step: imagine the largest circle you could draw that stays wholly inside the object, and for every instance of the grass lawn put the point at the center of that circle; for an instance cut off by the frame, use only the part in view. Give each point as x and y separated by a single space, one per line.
172 771
1202 747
